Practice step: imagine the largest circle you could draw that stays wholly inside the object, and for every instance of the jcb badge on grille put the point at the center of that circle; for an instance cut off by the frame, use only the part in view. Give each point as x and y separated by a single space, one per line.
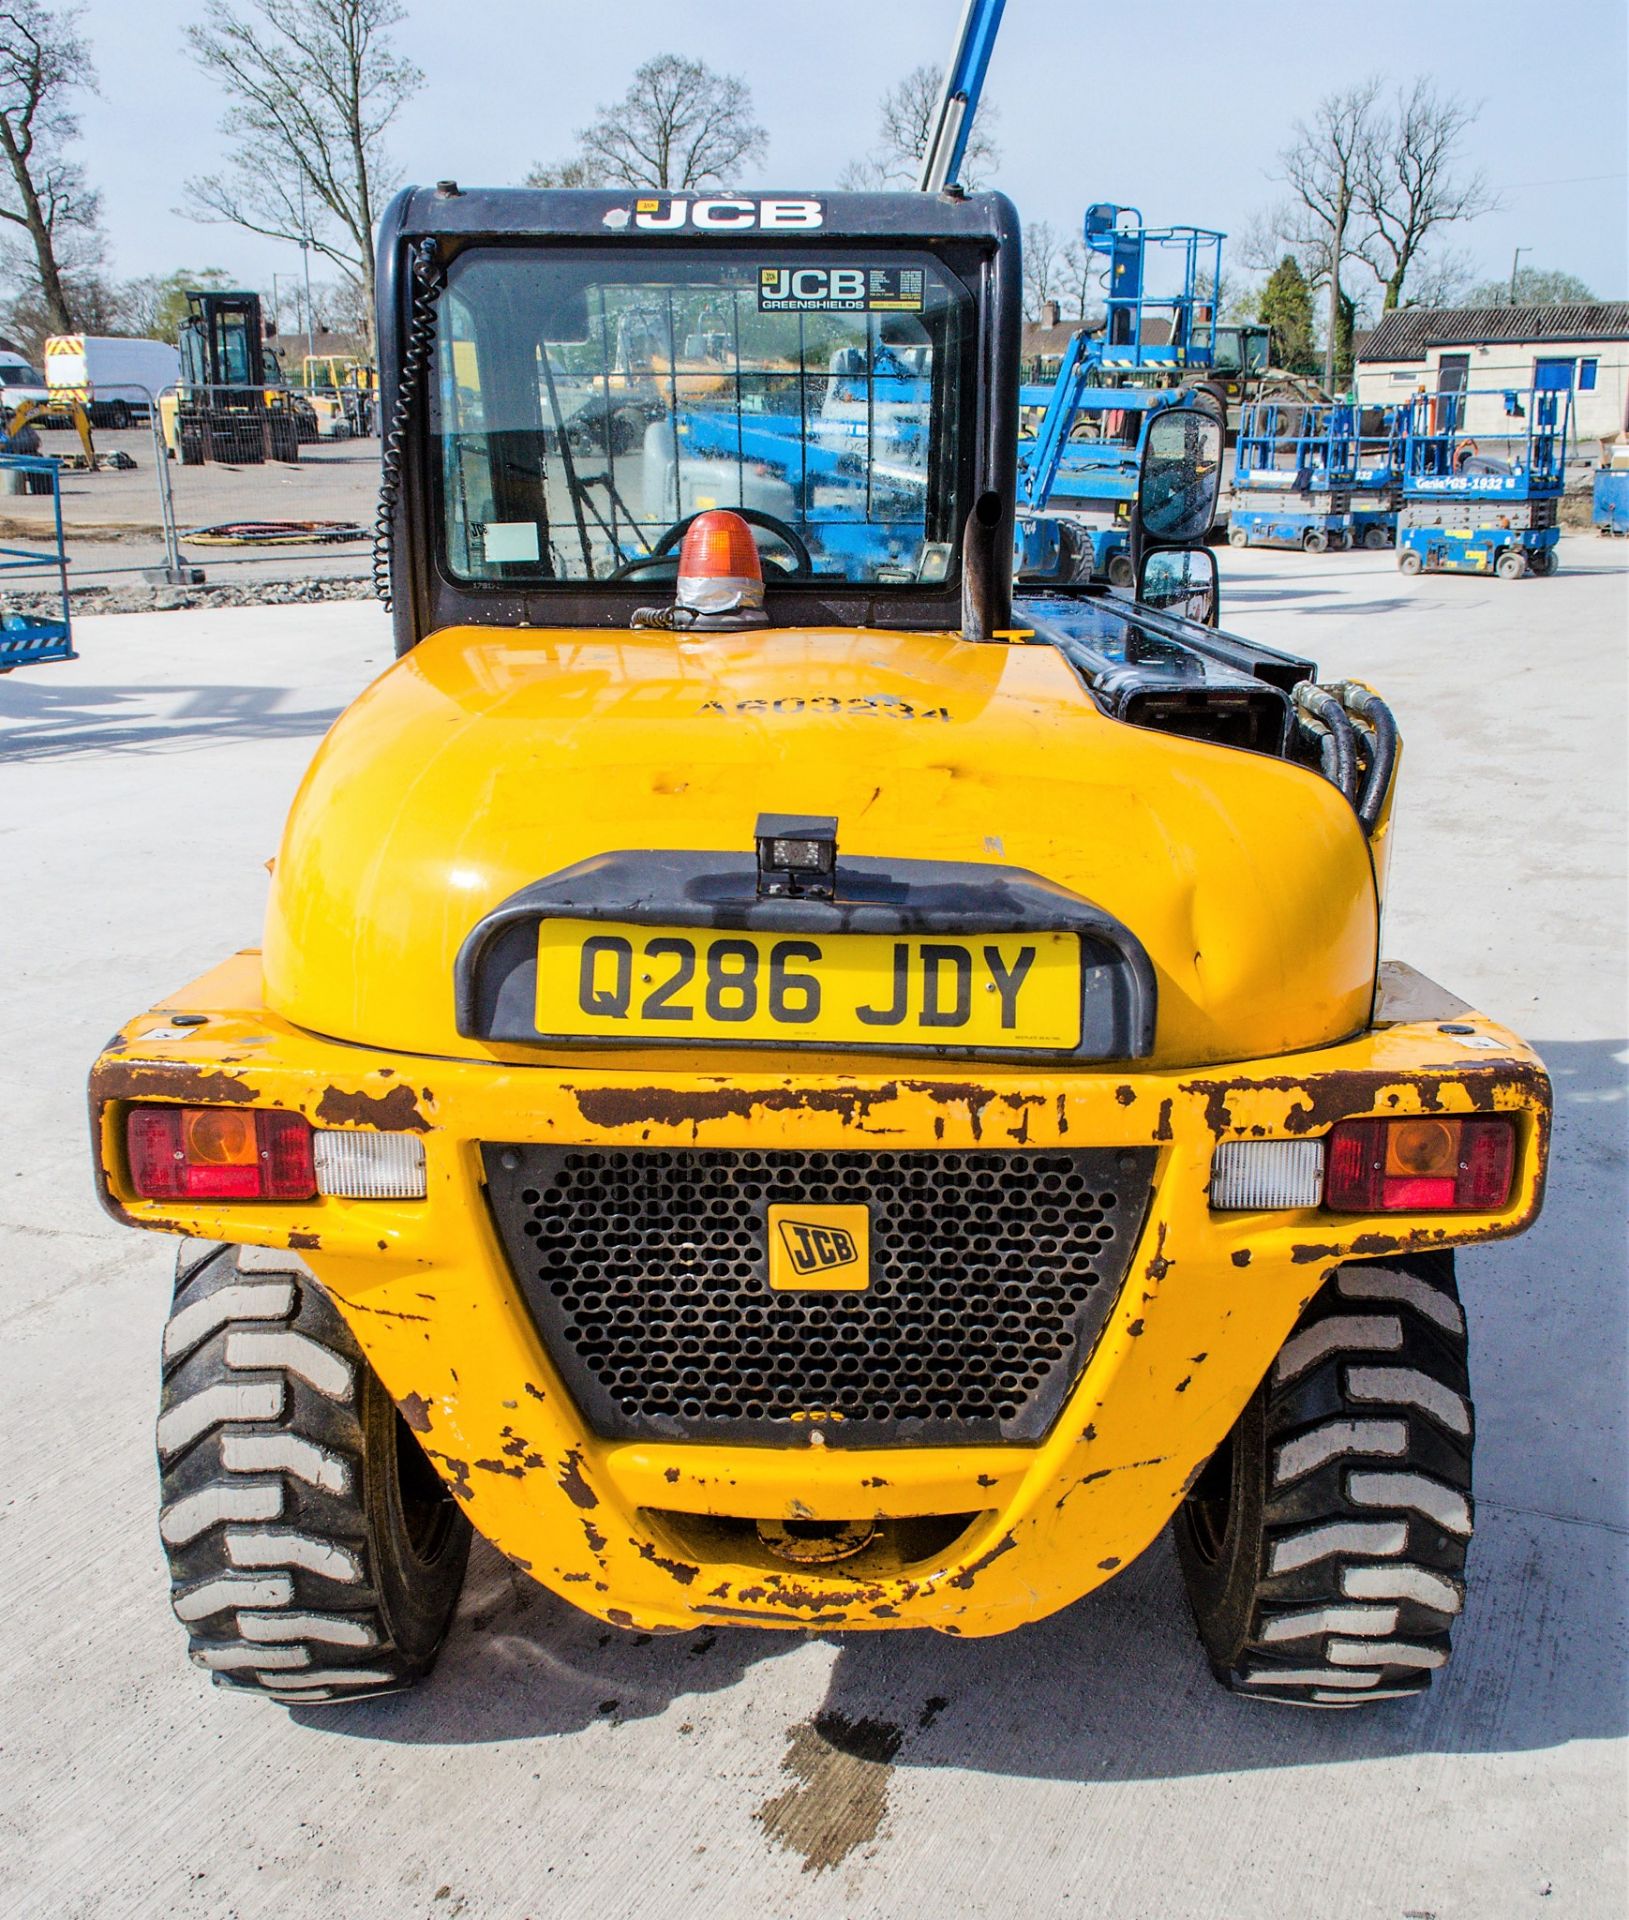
825 1248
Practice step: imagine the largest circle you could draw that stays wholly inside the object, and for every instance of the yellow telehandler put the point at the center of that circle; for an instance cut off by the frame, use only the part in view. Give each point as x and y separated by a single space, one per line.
801 1073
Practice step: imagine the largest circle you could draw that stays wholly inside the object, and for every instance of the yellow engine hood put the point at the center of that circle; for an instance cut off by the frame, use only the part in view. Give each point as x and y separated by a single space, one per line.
490 758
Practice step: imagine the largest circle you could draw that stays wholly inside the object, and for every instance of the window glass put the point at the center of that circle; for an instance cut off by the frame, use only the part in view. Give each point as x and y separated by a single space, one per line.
587 401
1586 375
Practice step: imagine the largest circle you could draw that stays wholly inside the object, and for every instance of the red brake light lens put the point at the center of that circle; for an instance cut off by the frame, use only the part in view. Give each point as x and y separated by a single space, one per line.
219 1153
1427 1165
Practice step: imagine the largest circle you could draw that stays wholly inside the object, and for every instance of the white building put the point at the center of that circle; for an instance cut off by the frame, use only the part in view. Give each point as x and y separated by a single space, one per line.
1477 349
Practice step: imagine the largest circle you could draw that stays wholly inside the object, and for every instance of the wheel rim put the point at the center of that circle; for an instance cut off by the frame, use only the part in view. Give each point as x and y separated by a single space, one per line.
426 1506
1209 1508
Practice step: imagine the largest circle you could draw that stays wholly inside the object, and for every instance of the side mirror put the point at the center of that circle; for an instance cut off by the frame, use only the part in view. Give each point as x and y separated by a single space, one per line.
1181 580
1181 476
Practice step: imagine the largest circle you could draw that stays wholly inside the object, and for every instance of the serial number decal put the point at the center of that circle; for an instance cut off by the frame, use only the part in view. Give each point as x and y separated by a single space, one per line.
603 980
886 705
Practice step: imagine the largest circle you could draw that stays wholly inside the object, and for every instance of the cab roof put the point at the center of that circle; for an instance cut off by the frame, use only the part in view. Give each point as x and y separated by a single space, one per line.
656 213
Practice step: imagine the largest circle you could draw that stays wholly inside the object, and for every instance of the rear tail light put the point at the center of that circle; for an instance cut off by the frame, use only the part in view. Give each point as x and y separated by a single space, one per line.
1428 1165
219 1153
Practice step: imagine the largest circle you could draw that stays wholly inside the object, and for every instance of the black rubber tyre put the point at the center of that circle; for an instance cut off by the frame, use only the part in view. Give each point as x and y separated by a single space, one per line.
1120 571
1511 564
1408 561
1237 537
1542 561
1315 540
1374 538
314 1553
1323 1548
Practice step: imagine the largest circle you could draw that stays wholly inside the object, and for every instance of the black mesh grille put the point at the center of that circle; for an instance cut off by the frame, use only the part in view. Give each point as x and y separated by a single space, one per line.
646 1271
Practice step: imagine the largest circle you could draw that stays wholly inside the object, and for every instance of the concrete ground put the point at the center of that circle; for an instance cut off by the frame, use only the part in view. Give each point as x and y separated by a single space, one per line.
1087 1765
114 525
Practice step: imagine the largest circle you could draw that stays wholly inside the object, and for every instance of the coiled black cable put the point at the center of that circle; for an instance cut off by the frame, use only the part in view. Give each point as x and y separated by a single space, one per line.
421 333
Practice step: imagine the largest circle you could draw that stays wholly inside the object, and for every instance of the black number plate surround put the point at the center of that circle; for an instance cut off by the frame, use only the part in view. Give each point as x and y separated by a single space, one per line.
495 976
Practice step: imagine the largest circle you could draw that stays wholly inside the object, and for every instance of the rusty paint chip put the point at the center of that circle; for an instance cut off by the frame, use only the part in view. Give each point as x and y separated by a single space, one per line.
572 1483
393 1112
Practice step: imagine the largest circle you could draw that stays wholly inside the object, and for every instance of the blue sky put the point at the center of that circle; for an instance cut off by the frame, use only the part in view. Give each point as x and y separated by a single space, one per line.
1176 108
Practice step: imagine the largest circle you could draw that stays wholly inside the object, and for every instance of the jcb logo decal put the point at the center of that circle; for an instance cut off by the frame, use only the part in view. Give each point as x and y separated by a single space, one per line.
818 1248
723 214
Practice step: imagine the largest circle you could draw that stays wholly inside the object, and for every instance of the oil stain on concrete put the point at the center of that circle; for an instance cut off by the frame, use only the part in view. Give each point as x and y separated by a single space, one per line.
842 1769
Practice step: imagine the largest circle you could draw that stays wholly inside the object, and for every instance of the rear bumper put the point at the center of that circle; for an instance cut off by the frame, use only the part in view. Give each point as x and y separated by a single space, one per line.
657 1535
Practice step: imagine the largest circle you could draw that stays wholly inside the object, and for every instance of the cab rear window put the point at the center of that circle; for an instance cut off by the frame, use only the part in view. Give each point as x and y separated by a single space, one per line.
589 401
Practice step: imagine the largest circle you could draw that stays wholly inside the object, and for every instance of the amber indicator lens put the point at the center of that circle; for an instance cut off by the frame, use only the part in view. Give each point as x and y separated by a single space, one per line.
1420 1166
218 1137
219 1153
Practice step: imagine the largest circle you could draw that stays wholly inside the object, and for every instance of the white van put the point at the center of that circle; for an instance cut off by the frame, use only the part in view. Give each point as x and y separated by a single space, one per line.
19 384
112 375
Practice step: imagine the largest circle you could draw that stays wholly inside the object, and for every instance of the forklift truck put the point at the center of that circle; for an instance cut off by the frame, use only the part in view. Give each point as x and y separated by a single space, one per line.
232 405
789 1082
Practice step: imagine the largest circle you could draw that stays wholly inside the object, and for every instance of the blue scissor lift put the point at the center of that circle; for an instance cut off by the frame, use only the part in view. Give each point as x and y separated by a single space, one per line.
27 639
1483 474
1316 476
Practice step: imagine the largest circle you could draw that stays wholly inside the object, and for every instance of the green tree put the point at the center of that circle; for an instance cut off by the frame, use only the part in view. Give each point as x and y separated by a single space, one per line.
1534 287
1286 307
153 307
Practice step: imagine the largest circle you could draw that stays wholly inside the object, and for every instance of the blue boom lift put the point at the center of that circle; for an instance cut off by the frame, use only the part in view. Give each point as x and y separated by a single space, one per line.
1156 349
1316 476
1482 479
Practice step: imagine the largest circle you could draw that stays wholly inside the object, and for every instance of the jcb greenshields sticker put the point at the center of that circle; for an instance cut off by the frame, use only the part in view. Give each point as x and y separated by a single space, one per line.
839 289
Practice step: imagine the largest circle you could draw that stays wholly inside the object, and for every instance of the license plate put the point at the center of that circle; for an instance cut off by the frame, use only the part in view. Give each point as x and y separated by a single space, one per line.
1004 992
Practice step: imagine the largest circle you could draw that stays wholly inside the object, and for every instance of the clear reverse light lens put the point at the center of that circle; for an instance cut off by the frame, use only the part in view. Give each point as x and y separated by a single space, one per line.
370 1166
1251 1175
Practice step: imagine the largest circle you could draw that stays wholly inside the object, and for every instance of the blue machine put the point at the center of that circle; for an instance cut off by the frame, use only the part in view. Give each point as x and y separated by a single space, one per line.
1094 479
1612 500
1316 476
1082 458
1131 254
1483 474
29 640
959 95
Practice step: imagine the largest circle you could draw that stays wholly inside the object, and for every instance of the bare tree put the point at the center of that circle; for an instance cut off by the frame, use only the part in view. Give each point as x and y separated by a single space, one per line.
1441 279
1323 167
43 195
1044 270
314 87
1077 271
1406 182
905 118
679 125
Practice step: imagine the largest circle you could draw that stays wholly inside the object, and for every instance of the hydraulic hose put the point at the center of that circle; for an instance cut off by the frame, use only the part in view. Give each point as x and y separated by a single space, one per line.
1381 728
1338 748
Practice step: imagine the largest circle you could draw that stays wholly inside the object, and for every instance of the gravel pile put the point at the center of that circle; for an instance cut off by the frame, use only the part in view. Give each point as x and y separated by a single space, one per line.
145 599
